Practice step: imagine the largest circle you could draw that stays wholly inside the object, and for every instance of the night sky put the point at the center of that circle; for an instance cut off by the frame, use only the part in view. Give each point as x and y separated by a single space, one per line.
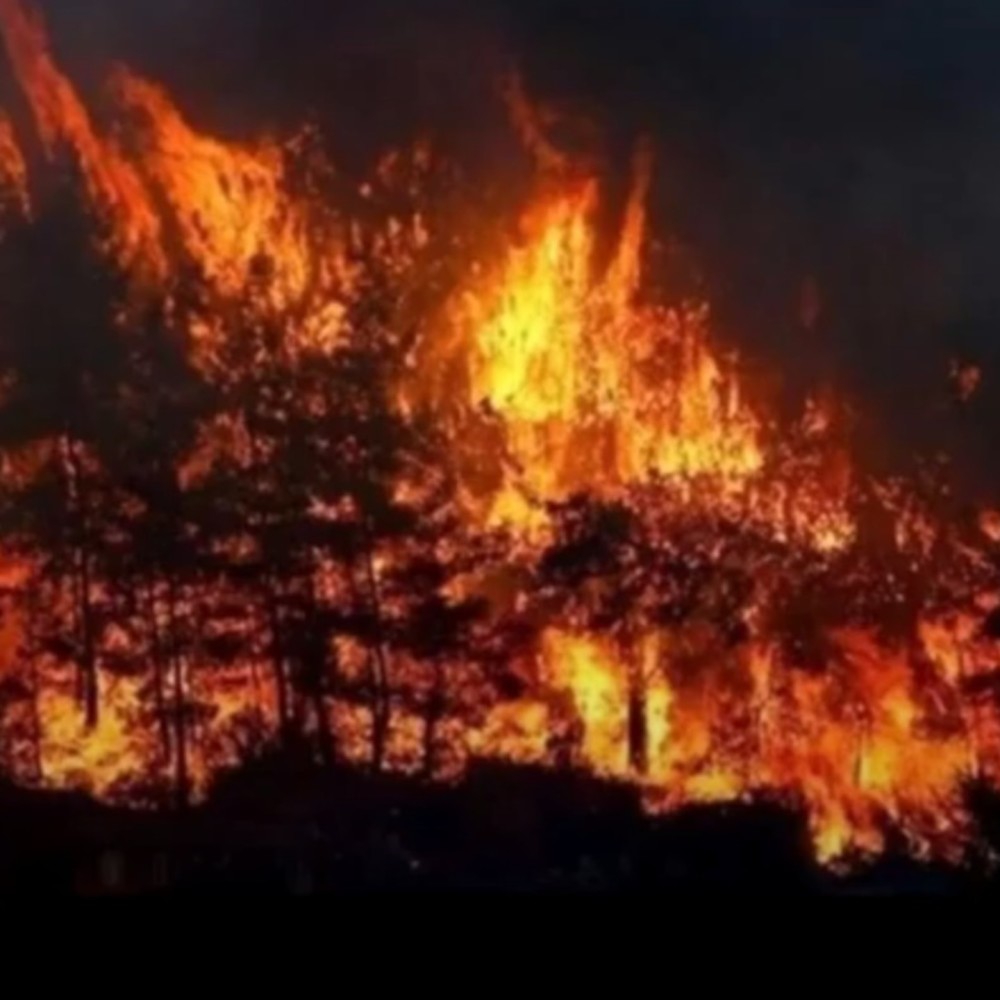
858 143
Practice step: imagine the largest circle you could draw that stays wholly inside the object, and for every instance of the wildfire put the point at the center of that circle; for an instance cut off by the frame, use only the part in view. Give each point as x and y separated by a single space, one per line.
558 375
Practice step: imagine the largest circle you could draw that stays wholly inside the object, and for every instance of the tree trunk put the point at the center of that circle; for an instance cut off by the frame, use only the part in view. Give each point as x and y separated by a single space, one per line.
159 680
181 768
89 663
325 667
324 733
638 735
31 657
181 779
313 681
861 753
432 720
378 664
83 585
278 664
973 723
325 736
379 712
37 728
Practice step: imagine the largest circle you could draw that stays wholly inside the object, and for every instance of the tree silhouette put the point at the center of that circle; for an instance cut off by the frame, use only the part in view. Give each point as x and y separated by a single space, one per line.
160 573
595 570
63 356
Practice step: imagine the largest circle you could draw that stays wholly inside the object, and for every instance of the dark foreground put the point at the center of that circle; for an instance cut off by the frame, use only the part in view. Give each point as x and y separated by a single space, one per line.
271 830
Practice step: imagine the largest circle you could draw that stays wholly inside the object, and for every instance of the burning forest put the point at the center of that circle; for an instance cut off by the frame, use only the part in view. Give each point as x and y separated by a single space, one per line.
378 471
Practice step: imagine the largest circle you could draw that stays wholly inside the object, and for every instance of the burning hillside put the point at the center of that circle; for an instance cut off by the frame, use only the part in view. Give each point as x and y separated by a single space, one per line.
297 459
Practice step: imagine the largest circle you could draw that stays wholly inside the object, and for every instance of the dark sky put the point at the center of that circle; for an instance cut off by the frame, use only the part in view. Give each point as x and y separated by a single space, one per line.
858 142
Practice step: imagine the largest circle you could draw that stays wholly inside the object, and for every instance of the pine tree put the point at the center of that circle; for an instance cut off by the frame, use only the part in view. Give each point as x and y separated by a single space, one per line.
63 357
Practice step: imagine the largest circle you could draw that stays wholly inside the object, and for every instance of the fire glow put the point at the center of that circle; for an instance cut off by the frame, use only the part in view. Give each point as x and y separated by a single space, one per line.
689 662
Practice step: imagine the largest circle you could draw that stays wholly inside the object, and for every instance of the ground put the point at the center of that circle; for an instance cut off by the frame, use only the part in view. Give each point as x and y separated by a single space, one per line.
278 829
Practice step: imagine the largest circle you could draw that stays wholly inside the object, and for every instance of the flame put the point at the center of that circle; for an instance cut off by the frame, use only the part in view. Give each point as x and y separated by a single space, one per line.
63 121
594 390
558 371
227 205
856 747
13 168
230 205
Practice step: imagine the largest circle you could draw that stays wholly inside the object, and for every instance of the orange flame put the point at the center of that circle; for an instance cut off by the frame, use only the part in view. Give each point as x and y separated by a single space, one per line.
13 169
63 120
594 390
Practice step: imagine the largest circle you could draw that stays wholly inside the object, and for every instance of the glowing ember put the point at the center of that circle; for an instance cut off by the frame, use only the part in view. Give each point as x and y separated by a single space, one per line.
966 379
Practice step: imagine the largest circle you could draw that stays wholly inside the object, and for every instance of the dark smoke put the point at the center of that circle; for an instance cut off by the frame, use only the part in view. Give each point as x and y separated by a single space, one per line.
855 145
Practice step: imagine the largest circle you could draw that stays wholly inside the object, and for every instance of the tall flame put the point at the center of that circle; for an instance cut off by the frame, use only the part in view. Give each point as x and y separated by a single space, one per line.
595 390
230 204
62 120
